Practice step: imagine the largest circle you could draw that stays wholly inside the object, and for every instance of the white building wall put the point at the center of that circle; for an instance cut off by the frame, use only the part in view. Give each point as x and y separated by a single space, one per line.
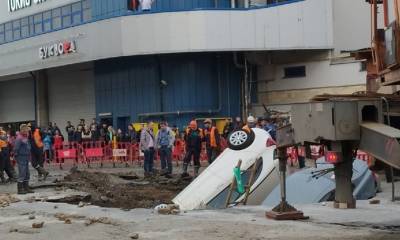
71 95
319 74
351 25
290 26
17 100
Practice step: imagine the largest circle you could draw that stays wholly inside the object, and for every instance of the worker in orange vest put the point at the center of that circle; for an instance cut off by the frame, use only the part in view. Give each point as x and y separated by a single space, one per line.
212 139
37 154
193 139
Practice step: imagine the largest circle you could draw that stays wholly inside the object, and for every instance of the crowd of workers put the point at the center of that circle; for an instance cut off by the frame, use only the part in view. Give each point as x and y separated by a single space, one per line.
37 145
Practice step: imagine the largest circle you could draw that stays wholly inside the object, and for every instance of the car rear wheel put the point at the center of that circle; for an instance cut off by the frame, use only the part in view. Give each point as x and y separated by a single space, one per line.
240 139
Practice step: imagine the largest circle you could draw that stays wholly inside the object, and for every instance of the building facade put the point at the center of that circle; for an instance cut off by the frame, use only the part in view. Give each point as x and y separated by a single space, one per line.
64 60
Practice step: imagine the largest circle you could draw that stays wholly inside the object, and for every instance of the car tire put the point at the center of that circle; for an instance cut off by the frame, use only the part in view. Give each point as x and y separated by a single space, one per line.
240 139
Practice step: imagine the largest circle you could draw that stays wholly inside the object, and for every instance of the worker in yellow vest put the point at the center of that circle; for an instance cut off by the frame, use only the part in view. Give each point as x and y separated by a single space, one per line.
212 139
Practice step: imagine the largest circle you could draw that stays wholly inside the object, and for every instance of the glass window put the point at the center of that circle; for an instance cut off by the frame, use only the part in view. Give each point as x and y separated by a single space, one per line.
77 7
8 36
66 10
17 34
87 15
85 4
25 31
1 27
56 12
46 15
2 37
38 18
16 24
24 21
31 26
8 26
56 22
38 28
76 18
47 26
66 21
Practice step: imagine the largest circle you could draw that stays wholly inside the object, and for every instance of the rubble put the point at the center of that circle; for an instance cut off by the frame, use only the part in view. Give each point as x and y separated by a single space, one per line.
167 209
103 220
38 225
134 236
7 199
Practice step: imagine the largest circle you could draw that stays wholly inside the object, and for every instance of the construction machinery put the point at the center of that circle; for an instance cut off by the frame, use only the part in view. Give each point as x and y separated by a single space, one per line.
343 124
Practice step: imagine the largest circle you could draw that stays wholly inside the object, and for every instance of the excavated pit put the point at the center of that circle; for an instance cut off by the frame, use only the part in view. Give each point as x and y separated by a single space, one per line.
124 191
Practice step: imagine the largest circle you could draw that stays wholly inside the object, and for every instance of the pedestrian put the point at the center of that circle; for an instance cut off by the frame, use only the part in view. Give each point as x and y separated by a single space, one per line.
78 134
22 152
81 123
58 140
146 4
110 134
5 163
47 146
86 134
103 132
228 128
270 127
121 137
165 142
70 129
193 139
55 128
37 154
50 127
238 123
94 129
147 146
212 139
131 134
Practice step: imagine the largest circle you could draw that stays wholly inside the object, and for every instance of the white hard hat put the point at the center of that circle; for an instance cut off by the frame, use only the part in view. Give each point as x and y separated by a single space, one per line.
251 119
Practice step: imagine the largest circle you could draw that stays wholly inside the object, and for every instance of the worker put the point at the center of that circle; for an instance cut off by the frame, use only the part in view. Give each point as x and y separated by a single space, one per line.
212 139
165 142
146 4
37 154
147 146
251 123
193 138
5 163
22 152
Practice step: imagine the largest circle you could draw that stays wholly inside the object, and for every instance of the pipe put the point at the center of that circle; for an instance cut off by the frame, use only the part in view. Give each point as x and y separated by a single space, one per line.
385 13
178 113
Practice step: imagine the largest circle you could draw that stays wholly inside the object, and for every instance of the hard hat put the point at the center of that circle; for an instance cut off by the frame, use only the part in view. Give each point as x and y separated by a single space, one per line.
251 119
208 120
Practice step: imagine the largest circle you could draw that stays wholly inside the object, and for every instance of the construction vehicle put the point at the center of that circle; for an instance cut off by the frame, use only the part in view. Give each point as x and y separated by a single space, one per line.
344 124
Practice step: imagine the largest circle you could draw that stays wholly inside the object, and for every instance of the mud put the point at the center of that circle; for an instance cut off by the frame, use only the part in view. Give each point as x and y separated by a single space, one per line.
113 190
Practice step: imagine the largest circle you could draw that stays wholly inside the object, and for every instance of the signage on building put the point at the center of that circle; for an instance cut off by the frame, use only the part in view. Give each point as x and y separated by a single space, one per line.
15 5
57 49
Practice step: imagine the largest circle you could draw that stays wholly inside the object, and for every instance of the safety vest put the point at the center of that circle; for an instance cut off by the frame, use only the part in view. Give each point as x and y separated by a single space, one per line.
38 139
3 144
213 139
246 128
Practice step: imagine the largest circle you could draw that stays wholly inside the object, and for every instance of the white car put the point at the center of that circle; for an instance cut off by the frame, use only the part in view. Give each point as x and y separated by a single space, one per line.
210 188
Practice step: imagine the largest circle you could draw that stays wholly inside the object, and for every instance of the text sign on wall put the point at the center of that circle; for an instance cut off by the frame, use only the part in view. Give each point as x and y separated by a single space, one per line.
57 49
15 5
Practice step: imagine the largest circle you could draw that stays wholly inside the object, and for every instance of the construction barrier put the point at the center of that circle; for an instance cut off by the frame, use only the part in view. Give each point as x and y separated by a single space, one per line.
100 152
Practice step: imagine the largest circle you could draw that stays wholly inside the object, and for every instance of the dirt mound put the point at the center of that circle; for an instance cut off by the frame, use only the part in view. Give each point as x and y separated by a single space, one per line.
108 190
